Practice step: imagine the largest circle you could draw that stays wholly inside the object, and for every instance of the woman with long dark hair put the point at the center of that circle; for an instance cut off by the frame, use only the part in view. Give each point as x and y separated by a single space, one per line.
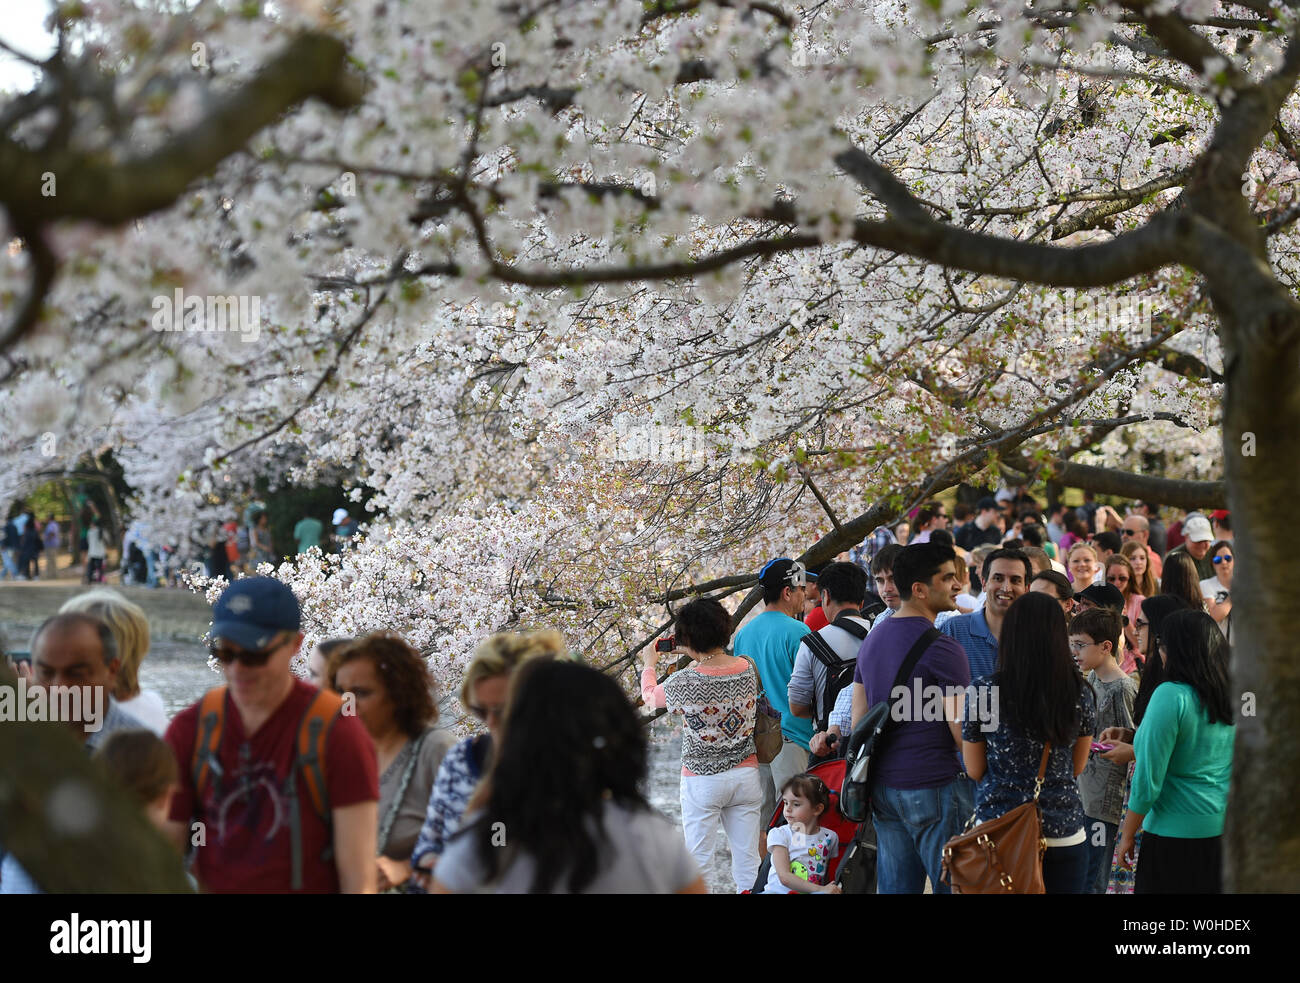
562 810
1152 617
1040 698
1184 764
1181 579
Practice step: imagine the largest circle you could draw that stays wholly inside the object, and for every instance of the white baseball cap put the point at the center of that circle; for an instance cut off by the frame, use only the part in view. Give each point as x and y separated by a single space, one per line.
1197 530
341 514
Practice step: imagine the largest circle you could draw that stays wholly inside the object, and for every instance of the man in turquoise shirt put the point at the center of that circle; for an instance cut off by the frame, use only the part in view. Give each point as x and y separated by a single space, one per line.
772 641
308 532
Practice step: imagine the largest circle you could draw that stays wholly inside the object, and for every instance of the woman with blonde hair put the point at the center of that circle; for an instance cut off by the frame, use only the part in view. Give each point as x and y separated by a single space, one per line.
1144 578
1084 564
483 692
130 628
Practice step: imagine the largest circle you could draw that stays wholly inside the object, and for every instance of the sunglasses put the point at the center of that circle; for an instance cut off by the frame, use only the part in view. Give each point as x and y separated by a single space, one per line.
253 660
1129 532
1223 559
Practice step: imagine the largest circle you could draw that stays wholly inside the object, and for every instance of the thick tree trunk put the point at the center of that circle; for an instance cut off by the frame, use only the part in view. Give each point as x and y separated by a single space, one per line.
1261 435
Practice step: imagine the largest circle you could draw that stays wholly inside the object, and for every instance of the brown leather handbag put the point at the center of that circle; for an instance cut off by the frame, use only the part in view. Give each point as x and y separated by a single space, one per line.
1003 855
768 739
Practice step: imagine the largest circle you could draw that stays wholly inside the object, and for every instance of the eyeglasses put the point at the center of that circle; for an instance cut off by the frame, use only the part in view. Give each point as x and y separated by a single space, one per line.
1223 559
1080 646
484 712
253 660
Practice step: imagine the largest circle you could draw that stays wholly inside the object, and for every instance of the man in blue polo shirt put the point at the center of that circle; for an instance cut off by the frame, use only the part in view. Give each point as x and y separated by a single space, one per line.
772 641
1006 575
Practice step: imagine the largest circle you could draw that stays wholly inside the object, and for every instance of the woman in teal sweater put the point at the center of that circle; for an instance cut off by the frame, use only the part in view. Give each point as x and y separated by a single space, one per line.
1184 763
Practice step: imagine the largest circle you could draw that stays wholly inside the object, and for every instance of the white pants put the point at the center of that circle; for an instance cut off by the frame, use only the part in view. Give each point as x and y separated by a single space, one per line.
735 797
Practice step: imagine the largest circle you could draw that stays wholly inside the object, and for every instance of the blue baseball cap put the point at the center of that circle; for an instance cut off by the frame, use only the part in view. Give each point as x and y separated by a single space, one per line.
785 572
253 610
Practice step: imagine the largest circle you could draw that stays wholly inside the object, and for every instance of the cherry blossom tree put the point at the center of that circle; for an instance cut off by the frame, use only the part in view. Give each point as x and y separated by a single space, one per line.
610 301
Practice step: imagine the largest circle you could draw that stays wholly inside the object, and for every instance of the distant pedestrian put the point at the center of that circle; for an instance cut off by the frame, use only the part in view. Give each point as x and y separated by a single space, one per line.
96 552
345 528
307 533
51 536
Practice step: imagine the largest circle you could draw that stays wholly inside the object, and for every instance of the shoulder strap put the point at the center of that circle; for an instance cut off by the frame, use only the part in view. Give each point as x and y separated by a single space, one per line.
845 620
758 677
913 657
310 762
822 650
312 732
205 766
1042 771
395 806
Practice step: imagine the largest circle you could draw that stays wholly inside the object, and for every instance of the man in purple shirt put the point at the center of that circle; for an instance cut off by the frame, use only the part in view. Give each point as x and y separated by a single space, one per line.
920 796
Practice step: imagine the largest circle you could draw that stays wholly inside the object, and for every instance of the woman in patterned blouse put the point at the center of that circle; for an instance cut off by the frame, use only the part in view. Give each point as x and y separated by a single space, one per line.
717 697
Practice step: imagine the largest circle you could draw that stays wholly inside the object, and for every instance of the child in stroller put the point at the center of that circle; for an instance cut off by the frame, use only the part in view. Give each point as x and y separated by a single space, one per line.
850 867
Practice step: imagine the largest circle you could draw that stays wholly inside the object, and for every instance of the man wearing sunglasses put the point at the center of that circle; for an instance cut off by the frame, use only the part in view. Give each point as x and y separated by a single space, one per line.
279 787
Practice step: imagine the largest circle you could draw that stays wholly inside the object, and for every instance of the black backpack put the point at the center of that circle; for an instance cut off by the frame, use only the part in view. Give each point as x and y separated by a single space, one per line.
839 672
864 743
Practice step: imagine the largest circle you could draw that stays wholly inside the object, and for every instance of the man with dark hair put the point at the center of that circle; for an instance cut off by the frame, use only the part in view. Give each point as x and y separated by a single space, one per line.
1006 575
984 528
961 514
75 661
772 641
920 797
1055 585
1107 543
1056 522
826 656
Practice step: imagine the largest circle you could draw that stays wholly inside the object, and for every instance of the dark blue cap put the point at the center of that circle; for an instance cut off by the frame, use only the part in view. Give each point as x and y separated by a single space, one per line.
253 610
785 572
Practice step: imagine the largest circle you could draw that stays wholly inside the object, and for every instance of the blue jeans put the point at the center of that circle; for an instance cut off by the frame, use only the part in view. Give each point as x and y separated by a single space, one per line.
912 825
1065 869
1099 857
11 563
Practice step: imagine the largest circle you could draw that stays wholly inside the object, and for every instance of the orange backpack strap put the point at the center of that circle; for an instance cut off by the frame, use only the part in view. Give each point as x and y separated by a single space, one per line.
205 766
312 734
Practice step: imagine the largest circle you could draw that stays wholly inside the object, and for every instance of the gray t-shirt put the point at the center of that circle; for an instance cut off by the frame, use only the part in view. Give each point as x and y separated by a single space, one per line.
410 813
645 855
1101 784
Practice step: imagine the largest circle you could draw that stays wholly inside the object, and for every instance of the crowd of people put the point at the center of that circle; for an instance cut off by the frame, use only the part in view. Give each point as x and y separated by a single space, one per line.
1047 651
30 548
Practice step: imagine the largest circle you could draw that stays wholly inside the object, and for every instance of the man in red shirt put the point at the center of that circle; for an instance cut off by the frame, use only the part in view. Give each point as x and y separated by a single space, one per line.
279 787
